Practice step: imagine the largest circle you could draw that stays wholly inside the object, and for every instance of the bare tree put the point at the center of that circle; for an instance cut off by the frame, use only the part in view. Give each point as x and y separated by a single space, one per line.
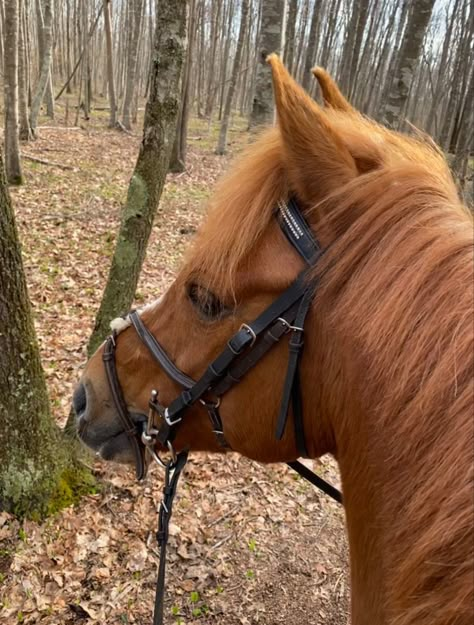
25 132
150 171
136 9
410 50
221 145
178 155
110 64
289 55
45 64
32 458
41 9
312 49
12 146
271 40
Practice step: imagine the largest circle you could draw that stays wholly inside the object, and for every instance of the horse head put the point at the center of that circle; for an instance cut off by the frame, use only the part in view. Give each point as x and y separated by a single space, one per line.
387 338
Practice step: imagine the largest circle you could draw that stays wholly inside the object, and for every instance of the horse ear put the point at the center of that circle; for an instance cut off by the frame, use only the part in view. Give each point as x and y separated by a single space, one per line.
318 161
333 98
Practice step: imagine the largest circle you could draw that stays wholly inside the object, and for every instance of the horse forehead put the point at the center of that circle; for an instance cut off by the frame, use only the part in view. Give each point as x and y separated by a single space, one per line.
119 324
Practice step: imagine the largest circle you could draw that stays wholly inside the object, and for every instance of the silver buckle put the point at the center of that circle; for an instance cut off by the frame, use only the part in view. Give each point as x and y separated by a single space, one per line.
289 327
169 421
244 326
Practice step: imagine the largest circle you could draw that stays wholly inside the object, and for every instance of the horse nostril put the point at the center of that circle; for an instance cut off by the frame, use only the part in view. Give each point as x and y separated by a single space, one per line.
79 400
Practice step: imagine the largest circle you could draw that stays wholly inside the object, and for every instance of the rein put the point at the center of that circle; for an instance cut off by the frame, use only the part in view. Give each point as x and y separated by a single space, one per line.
285 316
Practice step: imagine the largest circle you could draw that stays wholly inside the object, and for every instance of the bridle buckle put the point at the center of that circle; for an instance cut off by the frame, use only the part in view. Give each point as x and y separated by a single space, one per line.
246 327
288 326
170 422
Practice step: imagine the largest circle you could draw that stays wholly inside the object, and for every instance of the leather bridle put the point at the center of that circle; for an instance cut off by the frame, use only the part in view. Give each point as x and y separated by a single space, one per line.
285 316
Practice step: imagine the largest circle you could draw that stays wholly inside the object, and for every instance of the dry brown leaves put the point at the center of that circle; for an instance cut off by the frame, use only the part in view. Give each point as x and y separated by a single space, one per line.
249 544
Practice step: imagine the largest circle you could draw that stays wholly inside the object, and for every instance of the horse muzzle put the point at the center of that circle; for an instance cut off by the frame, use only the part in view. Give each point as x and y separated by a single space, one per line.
100 428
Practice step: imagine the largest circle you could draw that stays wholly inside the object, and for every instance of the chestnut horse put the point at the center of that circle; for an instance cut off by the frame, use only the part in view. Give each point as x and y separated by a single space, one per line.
386 373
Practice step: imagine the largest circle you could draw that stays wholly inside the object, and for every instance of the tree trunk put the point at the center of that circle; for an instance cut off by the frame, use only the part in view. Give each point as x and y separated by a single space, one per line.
410 51
110 65
216 7
45 65
178 154
356 52
149 176
308 79
136 17
29 447
431 124
25 132
227 24
12 144
348 49
66 86
42 36
290 35
221 146
270 41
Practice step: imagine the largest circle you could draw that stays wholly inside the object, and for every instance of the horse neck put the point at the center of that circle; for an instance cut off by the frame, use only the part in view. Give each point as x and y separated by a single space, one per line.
398 388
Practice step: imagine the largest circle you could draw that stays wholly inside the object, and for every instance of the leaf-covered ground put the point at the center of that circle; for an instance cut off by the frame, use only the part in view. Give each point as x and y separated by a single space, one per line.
249 543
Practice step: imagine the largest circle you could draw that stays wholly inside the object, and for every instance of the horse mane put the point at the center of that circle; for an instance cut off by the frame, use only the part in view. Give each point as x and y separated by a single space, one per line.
399 284
397 280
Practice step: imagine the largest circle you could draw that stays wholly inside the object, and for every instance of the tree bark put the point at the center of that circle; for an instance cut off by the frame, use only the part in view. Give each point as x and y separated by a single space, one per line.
12 144
348 49
149 176
271 40
137 9
110 64
29 447
290 34
308 79
363 9
221 146
178 154
216 8
45 65
25 132
408 58
431 124
42 43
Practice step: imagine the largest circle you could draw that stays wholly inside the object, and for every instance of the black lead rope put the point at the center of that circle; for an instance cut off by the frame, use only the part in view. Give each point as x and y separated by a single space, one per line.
172 474
317 481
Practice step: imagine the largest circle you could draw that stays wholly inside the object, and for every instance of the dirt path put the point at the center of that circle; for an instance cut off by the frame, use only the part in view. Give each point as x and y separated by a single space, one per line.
250 543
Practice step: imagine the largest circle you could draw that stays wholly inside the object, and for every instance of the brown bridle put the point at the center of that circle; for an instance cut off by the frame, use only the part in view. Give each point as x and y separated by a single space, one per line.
285 316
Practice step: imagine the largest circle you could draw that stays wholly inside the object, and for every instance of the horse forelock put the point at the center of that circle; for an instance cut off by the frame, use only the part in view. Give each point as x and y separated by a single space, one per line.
239 213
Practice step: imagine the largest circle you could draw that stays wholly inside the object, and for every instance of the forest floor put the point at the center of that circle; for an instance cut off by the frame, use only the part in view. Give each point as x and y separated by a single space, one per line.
249 543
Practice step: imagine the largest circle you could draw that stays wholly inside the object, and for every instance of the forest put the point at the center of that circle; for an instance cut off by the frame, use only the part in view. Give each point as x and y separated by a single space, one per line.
119 118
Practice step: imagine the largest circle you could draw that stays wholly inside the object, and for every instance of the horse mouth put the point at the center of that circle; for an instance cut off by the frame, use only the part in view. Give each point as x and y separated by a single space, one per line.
109 440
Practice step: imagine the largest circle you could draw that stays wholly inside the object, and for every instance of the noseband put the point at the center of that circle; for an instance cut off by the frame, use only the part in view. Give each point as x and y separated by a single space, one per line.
285 316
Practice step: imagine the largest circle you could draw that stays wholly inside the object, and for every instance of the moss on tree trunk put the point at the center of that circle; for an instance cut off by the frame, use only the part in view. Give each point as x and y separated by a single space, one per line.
36 474
149 176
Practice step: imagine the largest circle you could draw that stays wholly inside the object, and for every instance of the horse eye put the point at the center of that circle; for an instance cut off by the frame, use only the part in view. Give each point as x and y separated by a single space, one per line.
206 302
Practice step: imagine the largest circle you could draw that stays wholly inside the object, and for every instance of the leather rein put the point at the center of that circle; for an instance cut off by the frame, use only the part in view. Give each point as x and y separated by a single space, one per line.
285 316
